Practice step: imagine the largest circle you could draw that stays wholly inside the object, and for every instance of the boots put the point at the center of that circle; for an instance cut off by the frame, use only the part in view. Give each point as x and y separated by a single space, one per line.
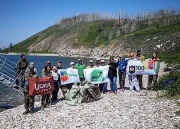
26 112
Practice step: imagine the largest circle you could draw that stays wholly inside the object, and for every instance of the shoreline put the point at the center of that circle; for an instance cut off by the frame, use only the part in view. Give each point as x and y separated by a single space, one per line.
52 54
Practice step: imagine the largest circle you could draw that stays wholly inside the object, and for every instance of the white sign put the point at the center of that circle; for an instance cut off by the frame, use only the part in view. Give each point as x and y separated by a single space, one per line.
136 67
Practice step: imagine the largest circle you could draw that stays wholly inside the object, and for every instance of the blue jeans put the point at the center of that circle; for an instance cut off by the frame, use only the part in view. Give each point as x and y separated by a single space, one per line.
103 87
113 85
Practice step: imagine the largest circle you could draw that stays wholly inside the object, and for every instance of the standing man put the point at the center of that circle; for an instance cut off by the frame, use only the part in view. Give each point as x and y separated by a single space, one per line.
122 64
98 62
91 65
59 65
140 57
103 86
133 78
31 72
80 66
21 67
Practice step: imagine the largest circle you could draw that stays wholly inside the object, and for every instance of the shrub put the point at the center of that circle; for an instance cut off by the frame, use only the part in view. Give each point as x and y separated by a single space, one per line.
173 88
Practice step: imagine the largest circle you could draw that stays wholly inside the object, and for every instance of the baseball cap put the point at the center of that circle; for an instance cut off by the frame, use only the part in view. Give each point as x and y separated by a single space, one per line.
31 64
90 61
79 59
59 62
72 63
98 59
102 61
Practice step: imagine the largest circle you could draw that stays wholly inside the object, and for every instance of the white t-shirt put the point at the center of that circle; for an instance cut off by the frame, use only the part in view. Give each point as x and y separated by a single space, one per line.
55 75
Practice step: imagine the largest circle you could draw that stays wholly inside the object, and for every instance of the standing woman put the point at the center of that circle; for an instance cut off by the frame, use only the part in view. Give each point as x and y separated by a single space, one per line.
122 64
56 79
153 78
112 75
45 101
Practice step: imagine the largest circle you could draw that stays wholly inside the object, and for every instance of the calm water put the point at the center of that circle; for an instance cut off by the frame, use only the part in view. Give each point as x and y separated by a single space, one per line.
10 98
40 61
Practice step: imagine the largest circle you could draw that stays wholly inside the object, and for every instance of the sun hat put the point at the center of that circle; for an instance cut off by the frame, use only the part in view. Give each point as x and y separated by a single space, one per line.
72 63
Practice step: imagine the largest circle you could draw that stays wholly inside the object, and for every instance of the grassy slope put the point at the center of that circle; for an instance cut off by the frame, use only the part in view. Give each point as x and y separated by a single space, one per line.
91 35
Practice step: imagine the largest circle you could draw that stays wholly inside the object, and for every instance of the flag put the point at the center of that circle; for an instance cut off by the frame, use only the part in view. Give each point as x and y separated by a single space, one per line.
136 67
97 75
68 76
39 86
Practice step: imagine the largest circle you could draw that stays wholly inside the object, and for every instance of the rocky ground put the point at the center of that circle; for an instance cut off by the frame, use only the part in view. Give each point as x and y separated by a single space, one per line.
126 110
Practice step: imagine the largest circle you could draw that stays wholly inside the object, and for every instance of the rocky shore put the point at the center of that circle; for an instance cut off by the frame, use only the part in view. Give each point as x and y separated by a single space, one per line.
126 110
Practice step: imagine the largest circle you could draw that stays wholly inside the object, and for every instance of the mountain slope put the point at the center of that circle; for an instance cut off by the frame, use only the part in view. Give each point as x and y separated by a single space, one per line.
104 37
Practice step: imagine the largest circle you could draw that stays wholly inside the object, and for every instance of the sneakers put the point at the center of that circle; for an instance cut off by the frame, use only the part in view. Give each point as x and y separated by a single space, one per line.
26 112
122 89
110 92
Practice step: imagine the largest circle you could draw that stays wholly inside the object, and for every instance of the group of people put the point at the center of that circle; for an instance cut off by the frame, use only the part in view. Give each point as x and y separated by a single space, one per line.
116 68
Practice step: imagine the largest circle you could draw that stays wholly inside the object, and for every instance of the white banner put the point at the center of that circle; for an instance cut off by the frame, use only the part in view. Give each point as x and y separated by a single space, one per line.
68 76
97 75
136 67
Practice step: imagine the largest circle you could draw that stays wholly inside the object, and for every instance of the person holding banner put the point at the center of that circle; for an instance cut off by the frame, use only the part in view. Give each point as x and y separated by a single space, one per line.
153 78
56 78
97 62
45 100
69 86
30 72
133 78
48 63
80 66
112 75
91 65
140 57
122 64
103 86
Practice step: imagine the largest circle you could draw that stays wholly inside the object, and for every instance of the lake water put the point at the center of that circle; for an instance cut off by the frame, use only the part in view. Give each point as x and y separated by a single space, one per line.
10 98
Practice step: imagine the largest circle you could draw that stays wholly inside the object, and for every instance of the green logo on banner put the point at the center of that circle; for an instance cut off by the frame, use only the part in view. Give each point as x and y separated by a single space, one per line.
96 75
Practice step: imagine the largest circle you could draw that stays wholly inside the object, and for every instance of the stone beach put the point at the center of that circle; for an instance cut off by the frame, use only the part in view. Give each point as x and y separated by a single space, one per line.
126 110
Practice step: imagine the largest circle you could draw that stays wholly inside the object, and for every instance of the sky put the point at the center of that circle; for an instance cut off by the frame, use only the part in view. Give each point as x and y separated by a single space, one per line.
20 19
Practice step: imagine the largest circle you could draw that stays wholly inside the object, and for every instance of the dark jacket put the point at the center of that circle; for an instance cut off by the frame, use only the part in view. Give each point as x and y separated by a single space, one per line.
112 70
122 65
22 64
